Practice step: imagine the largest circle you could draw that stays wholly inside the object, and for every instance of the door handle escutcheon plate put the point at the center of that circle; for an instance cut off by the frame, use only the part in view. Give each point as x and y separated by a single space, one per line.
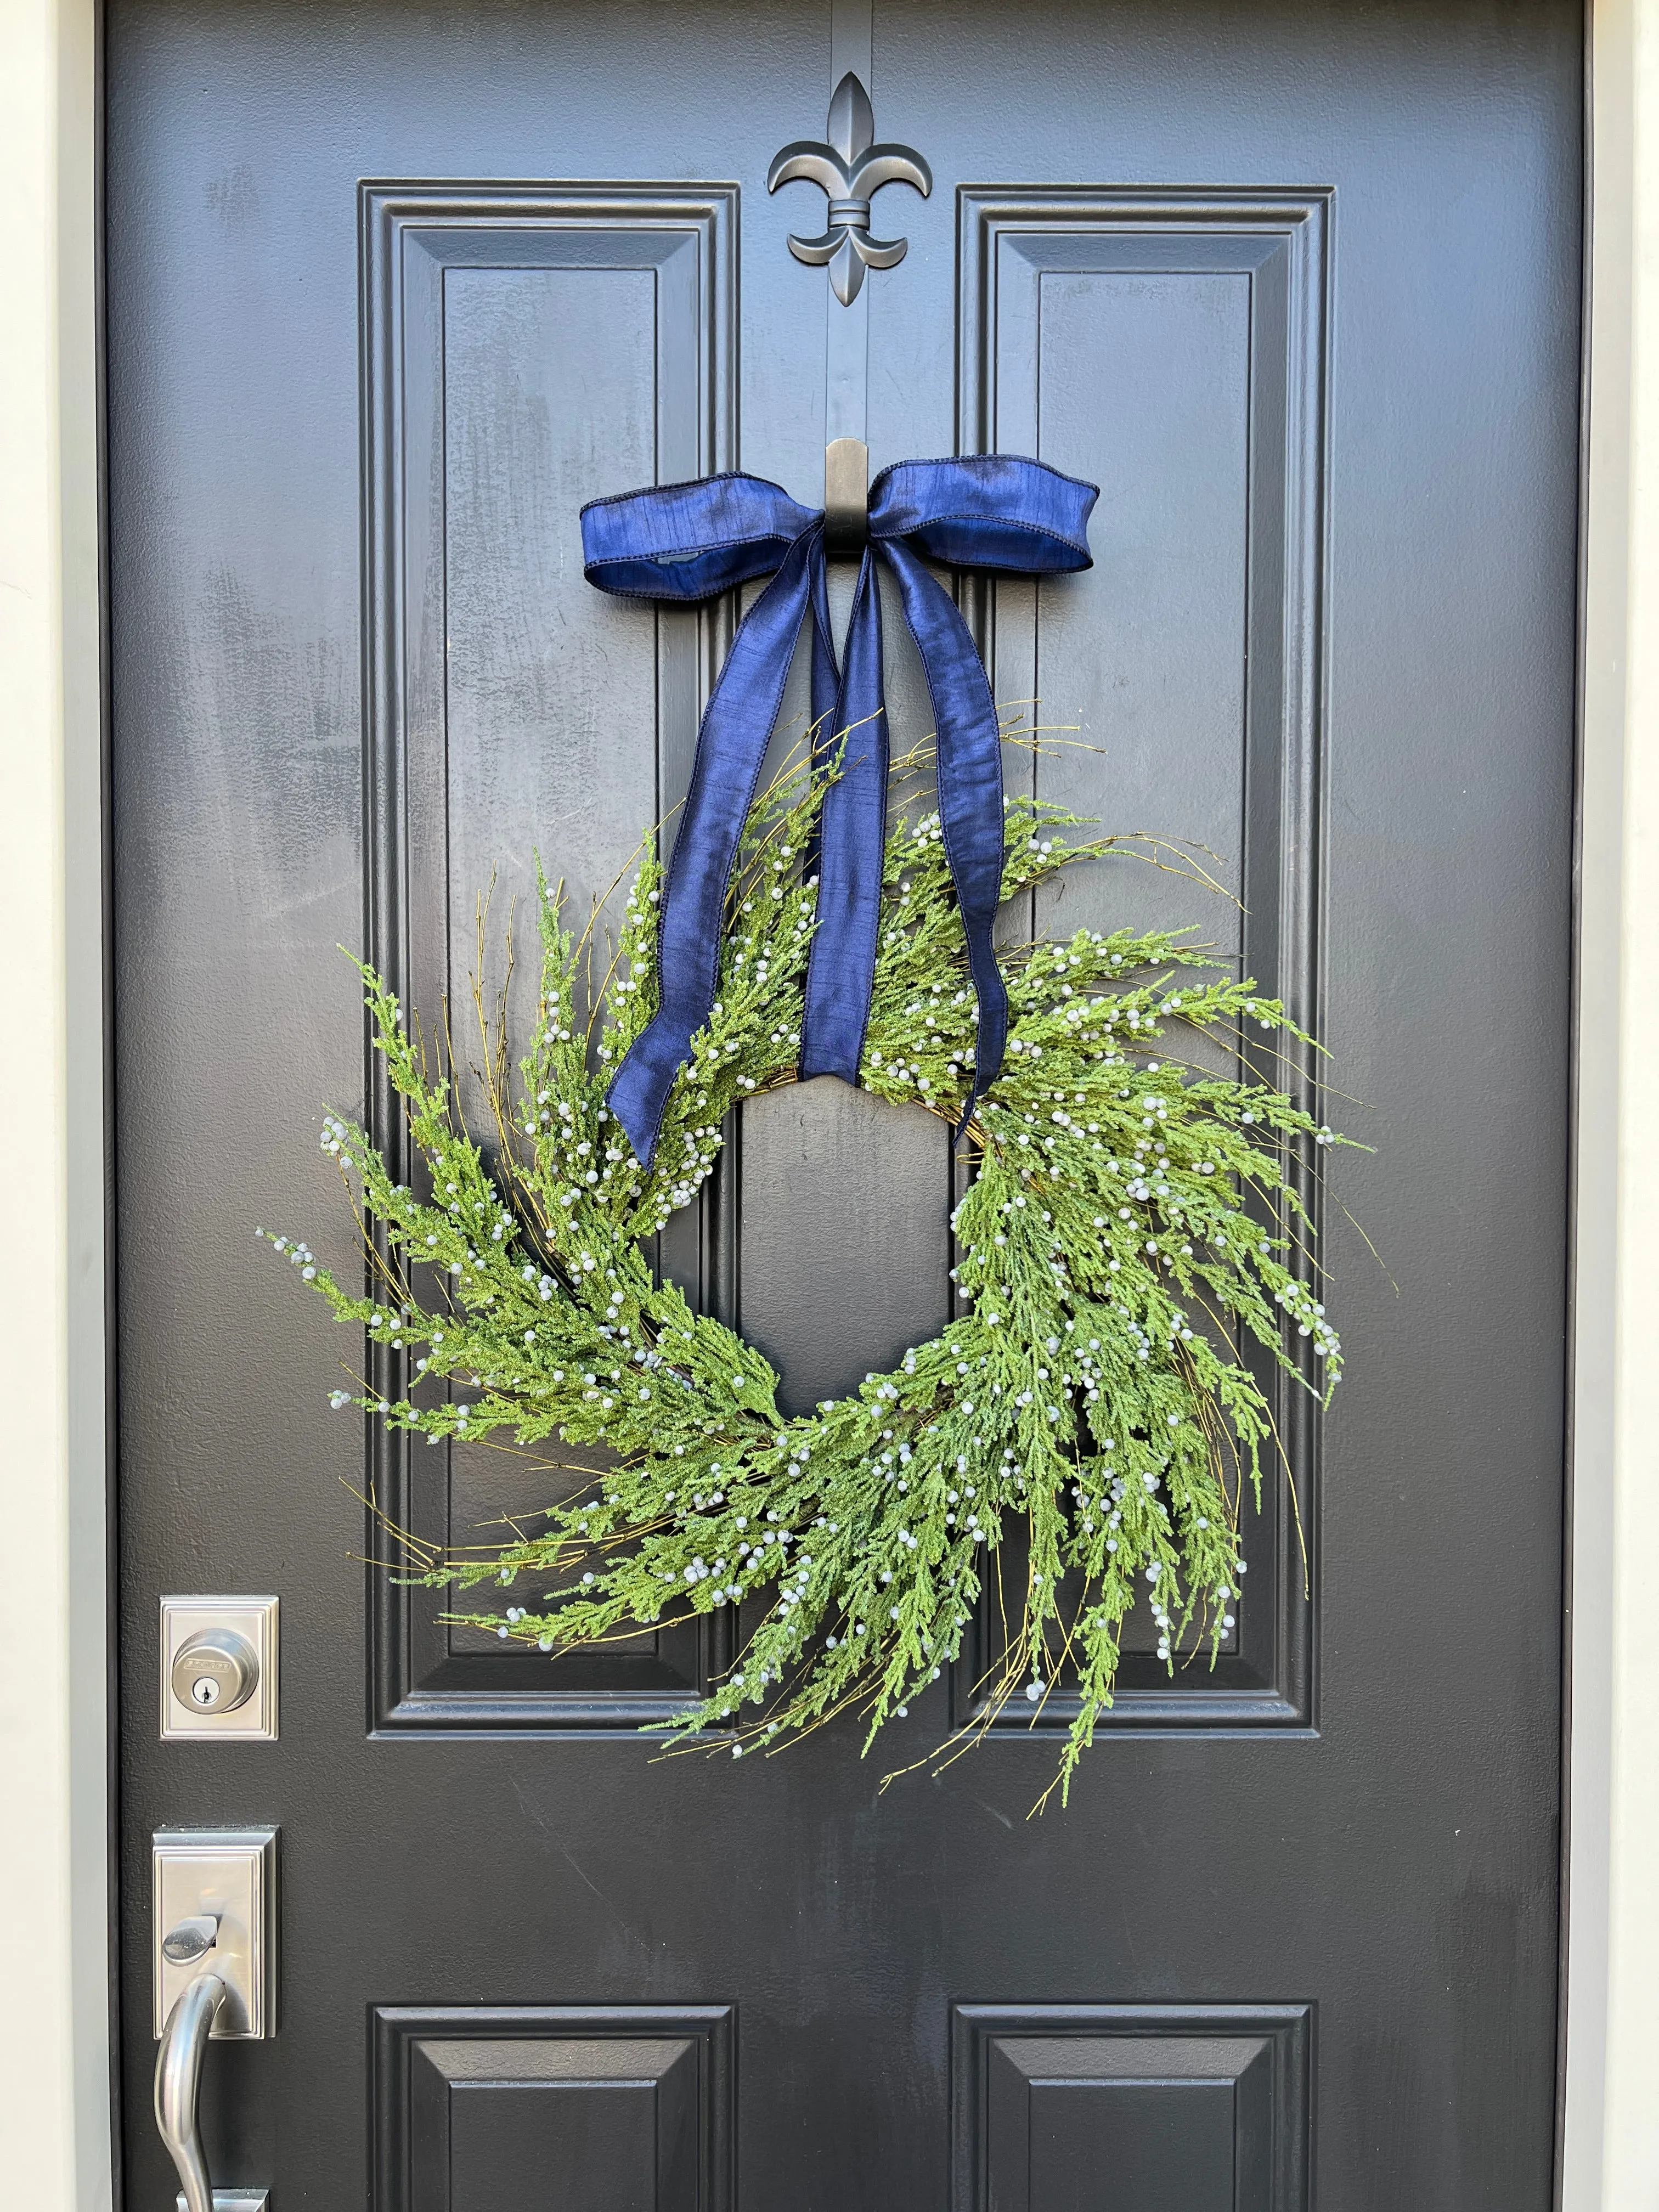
228 1875
214 1957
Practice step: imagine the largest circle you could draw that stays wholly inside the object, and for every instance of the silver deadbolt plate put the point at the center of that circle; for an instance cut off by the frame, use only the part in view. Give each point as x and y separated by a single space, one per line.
214 1890
219 1668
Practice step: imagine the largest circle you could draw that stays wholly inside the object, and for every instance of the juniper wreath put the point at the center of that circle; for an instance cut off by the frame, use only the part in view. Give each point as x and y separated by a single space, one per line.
1132 1220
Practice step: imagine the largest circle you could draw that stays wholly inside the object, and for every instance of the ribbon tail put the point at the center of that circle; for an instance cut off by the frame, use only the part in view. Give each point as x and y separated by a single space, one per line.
736 726
969 743
841 966
826 692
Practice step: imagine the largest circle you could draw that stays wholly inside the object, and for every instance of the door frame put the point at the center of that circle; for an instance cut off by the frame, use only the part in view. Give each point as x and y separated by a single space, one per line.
58 1685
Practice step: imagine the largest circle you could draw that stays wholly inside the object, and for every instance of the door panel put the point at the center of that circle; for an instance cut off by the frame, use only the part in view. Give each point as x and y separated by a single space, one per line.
1172 347
511 339
623 2111
1205 2108
392 294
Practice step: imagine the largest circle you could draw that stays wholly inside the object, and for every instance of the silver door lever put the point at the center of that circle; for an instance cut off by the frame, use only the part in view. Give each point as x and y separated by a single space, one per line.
178 2060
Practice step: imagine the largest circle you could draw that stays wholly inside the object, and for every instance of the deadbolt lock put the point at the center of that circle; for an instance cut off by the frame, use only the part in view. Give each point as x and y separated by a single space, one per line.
216 1671
219 1667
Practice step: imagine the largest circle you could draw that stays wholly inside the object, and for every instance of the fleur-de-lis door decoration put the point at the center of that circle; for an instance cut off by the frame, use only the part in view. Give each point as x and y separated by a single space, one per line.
851 169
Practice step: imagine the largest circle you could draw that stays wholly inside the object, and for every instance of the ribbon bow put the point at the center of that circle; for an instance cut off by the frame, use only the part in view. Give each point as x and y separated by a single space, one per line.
694 541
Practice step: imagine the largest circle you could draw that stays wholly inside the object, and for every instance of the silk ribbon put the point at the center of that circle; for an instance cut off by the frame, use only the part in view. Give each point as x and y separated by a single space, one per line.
684 543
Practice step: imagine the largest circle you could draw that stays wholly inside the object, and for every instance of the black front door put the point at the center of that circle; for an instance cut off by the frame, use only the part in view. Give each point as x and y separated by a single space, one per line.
392 293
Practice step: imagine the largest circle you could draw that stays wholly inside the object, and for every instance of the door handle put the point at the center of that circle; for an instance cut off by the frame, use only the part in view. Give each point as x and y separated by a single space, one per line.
178 2064
215 1898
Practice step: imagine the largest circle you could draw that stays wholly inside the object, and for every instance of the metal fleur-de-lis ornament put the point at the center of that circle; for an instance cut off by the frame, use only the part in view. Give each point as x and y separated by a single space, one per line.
851 169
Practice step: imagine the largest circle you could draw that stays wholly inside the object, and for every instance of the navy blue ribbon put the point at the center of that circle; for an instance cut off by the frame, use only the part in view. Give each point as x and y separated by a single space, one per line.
694 541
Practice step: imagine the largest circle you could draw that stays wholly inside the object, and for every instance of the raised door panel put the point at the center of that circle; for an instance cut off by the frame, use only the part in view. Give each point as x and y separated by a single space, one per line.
523 348
1070 2108
1170 347
623 2110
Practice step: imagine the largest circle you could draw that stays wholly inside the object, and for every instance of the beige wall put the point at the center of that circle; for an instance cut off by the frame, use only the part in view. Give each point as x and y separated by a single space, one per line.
54 2108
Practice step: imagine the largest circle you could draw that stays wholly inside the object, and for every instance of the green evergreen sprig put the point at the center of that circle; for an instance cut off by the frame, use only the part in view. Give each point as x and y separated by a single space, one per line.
1131 1223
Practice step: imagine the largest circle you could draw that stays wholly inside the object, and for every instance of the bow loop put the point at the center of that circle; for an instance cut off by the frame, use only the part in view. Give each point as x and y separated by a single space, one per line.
691 541
986 511
684 542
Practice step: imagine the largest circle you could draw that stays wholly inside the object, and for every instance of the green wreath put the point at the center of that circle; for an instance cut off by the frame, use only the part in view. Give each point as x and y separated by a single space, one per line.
1131 1220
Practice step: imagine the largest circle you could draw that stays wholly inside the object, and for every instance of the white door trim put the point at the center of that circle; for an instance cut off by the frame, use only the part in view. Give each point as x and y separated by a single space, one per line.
1611 2119
54 1873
